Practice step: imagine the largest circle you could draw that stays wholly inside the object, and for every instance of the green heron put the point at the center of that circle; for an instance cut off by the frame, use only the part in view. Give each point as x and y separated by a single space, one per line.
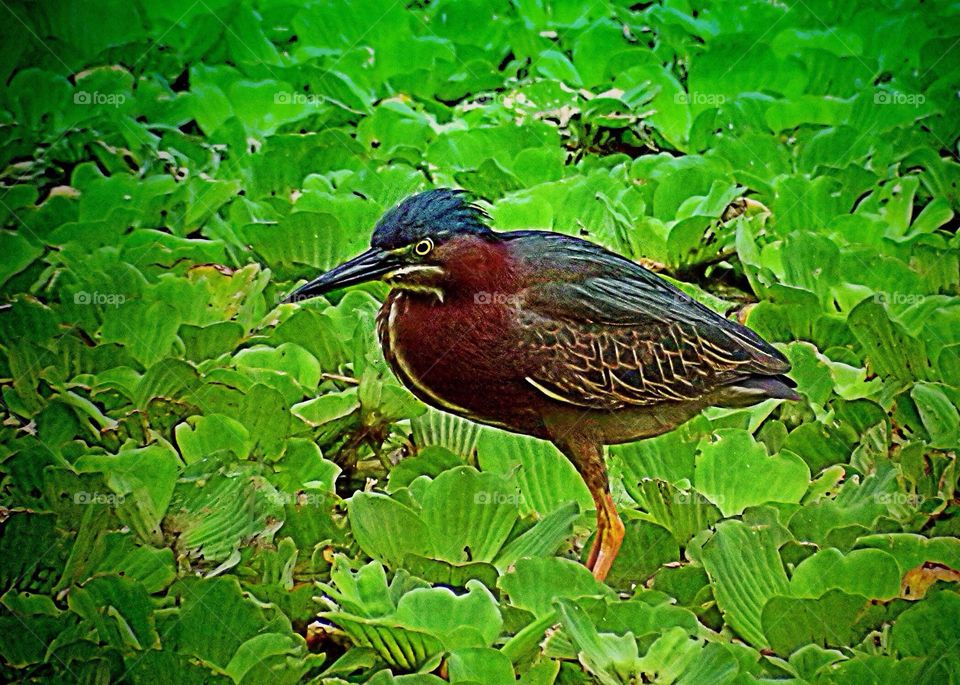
549 335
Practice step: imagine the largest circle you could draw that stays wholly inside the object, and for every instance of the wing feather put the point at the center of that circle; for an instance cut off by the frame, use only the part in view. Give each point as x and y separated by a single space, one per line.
604 332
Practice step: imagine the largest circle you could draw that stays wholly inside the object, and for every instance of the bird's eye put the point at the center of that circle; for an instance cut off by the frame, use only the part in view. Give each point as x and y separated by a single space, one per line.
423 247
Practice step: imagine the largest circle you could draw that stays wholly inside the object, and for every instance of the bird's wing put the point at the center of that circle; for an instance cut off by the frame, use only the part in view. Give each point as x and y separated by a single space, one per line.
607 367
604 332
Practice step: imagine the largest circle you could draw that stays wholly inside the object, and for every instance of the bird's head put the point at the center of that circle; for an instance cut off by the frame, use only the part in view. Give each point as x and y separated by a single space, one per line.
415 246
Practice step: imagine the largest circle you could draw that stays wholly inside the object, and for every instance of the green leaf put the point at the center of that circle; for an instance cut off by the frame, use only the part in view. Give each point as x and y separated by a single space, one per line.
364 592
547 480
267 417
683 513
644 616
939 415
480 665
714 664
386 529
383 400
404 648
287 358
210 341
669 457
18 253
833 620
869 573
534 584
555 65
912 550
250 663
429 461
745 572
201 436
929 629
671 655
228 630
143 481
119 609
302 239
470 620
147 330
118 553
169 378
889 349
303 467
453 575
734 472
427 621
612 659
331 409
437 428
540 540
468 514
646 547
214 513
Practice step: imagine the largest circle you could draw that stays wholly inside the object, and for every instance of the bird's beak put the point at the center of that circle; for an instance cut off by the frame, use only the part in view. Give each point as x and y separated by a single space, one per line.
368 266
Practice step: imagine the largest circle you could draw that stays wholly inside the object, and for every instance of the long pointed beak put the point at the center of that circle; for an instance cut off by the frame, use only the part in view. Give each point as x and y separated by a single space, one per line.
368 266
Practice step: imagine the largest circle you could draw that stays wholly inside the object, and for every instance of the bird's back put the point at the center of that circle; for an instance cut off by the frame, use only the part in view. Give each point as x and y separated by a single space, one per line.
607 333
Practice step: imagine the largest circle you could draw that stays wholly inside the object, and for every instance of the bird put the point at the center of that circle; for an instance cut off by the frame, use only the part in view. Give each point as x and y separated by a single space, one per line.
549 335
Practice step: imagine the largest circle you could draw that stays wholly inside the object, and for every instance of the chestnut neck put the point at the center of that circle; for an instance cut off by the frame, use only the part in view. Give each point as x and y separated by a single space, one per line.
477 265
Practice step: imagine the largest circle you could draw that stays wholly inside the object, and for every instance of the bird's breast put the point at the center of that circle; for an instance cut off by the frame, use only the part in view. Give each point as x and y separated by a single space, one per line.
456 355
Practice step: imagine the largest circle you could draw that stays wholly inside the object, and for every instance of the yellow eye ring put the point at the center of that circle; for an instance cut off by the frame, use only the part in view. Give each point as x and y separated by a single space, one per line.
423 247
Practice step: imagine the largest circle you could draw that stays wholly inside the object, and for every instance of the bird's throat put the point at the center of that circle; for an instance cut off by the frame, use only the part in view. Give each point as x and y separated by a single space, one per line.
420 278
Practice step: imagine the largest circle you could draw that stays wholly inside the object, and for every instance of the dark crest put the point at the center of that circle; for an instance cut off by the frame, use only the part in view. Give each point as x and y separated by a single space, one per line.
434 213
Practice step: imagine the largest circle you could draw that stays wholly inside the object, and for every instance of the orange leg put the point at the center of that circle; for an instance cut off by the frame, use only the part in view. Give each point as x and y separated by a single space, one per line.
609 536
587 457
